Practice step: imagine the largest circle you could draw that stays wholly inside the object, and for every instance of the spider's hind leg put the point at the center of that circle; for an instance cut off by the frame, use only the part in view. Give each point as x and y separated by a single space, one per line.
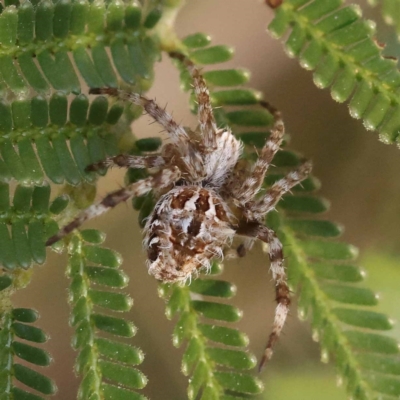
282 292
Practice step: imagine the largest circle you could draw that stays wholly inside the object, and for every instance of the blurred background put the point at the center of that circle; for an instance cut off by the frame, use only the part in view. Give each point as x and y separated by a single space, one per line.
359 176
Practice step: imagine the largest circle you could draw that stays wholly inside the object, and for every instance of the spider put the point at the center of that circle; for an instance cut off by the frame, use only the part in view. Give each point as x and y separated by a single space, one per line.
205 196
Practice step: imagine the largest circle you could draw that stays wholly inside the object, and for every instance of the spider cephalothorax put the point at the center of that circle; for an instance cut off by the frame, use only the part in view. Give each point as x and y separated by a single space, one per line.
205 195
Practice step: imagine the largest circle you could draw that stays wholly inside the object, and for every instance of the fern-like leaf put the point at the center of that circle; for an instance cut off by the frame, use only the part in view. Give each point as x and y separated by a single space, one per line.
211 343
16 324
25 223
339 46
106 365
49 31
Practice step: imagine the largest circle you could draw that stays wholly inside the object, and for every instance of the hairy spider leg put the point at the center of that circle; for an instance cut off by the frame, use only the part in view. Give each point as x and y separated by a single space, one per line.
282 292
208 126
257 209
245 190
161 180
127 161
176 131
188 149
255 230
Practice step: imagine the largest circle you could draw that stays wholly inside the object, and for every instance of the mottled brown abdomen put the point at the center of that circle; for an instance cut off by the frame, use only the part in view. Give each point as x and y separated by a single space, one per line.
189 227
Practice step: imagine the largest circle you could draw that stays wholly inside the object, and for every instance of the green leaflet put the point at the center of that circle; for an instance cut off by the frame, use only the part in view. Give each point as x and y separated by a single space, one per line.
196 40
338 45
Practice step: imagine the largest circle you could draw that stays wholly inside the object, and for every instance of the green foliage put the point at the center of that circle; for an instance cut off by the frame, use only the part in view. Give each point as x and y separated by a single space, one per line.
50 31
16 324
29 219
93 268
210 345
50 131
338 45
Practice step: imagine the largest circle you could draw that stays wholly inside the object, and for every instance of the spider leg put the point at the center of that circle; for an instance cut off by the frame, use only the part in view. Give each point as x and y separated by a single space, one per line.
191 160
245 190
127 161
161 180
176 131
208 126
257 209
282 292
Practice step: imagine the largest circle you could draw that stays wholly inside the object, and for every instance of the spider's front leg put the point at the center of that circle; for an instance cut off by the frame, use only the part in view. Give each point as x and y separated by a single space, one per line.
161 180
259 208
282 292
127 161
186 148
208 125
175 130
246 188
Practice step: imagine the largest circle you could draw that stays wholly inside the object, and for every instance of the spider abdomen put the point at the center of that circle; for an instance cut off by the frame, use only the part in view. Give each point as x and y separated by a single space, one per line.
188 228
